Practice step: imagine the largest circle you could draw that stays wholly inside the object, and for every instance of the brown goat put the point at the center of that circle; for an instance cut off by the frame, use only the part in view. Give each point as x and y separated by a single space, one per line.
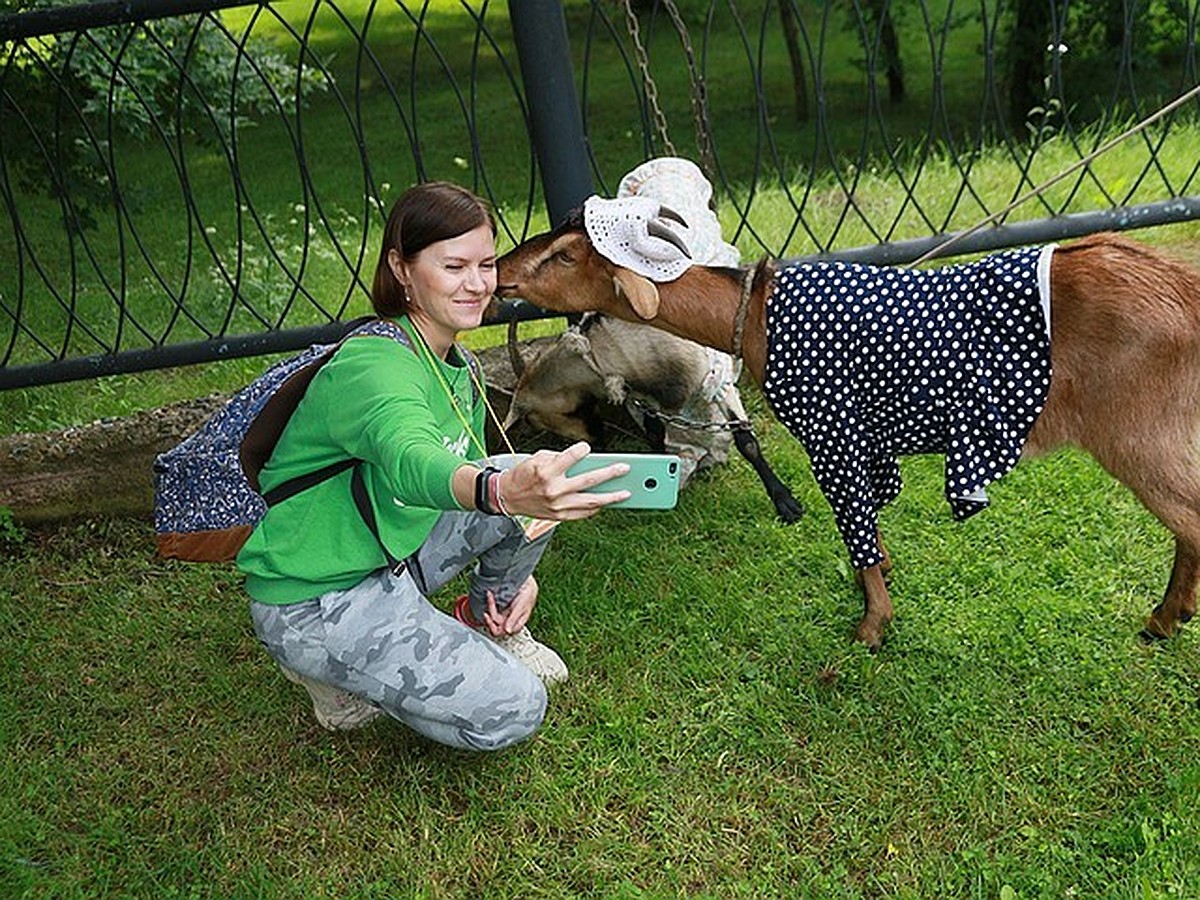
1125 356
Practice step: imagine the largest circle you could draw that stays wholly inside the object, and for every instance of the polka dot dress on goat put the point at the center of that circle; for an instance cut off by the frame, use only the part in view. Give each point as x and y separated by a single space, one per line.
866 364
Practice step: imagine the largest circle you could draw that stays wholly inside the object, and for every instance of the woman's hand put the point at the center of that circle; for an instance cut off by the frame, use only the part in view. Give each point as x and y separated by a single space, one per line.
540 487
512 618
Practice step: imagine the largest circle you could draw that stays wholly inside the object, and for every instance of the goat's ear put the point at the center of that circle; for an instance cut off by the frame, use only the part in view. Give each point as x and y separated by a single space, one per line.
641 293
517 411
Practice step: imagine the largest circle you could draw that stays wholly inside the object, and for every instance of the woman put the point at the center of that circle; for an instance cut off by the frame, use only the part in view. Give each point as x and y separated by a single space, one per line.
359 635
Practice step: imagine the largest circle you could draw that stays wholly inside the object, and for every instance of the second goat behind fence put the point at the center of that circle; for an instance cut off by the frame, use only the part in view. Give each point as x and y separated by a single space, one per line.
682 395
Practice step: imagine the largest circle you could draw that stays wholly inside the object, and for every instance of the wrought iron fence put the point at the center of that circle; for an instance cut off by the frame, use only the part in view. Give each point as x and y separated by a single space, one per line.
189 180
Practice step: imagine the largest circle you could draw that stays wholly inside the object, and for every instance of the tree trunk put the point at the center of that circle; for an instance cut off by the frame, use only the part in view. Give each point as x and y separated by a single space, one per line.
1027 52
105 468
791 34
890 43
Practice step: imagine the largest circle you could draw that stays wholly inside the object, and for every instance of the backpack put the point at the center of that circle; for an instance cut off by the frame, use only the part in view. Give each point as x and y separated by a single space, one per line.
207 498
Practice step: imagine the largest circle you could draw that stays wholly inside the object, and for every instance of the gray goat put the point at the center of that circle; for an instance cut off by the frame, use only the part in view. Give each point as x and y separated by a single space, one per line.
686 402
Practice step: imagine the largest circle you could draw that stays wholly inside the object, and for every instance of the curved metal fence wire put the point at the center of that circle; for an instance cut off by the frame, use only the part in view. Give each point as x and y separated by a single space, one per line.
187 181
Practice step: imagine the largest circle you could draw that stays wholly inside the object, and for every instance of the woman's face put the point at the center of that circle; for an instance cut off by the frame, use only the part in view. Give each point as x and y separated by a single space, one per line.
448 285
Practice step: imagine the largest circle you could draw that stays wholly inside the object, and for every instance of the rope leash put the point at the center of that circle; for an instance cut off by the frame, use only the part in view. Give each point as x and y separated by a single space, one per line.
748 278
1042 188
739 320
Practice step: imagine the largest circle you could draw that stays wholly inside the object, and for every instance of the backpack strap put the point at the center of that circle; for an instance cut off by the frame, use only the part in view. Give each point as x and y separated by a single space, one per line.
262 436
294 486
358 490
258 443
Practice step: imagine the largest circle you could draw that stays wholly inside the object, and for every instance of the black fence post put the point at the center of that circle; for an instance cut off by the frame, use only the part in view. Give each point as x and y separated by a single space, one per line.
540 30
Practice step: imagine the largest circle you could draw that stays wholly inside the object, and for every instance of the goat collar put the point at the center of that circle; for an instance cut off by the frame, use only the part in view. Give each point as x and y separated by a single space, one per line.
739 320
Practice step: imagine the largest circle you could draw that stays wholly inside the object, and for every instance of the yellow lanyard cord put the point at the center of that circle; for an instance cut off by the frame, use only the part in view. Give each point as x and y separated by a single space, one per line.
487 404
481 388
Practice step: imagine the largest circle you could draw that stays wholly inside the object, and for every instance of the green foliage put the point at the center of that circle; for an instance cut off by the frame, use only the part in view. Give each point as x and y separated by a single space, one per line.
11 533
173 78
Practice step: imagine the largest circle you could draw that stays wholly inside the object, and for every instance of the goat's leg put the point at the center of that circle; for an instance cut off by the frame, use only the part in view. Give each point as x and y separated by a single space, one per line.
787 507
656 432
1125 345
877 608
885 565
1168 485
1179 604
1176 503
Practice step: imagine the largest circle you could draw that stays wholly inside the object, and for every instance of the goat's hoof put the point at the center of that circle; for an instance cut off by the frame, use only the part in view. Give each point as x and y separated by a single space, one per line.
789 511
1155 631
873 646
1163 625
870 637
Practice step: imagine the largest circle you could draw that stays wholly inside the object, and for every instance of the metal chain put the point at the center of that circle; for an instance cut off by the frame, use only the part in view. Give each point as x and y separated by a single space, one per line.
648 84
684 422
699 92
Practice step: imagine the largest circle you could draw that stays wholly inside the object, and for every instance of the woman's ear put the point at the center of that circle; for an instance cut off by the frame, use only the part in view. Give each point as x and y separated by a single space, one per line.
396 264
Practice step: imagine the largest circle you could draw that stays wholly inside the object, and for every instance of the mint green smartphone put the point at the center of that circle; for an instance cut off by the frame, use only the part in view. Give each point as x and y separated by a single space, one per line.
652 479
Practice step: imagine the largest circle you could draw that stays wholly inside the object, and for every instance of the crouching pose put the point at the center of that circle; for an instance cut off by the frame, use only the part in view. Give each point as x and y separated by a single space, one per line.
339 573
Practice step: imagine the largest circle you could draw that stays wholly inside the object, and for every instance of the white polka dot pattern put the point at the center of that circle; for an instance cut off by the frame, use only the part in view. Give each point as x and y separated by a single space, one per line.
866 364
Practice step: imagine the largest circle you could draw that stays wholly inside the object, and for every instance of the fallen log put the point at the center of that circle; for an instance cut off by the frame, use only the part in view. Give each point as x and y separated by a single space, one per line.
106 467
103 468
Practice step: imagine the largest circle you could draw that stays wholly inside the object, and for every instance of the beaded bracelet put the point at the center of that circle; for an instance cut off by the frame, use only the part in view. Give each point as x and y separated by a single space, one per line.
496 498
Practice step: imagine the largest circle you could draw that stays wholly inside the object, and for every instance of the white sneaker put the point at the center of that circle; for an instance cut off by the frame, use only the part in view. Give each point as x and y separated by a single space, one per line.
545 663
335 709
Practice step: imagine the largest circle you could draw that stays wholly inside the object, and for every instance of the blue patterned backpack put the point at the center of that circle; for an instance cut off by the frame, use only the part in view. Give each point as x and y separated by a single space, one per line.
206 492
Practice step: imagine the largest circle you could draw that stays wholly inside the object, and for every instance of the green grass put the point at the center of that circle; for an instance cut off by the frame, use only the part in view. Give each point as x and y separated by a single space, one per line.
720 736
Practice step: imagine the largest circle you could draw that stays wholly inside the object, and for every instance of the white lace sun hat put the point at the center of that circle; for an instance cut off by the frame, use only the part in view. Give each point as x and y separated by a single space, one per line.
678 184
622 231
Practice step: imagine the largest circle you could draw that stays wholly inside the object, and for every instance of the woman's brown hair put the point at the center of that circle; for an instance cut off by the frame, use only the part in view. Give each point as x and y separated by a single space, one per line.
423 215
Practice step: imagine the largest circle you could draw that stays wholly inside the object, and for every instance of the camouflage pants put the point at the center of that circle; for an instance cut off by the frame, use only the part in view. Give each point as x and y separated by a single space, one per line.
383 640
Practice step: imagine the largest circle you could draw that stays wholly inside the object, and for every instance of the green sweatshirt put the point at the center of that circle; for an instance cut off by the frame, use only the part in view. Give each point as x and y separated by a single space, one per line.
381 402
